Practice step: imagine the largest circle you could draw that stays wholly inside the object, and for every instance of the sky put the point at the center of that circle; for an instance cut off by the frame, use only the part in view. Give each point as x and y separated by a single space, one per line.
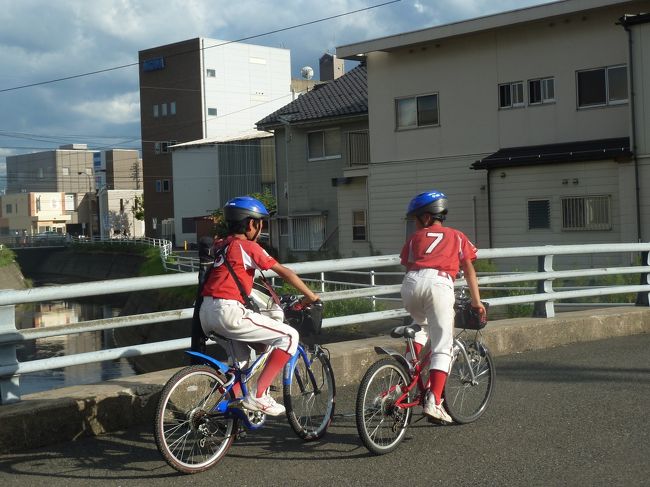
45 40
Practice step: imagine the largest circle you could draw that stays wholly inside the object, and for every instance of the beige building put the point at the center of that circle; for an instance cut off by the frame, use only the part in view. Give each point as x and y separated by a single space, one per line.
525 119
32 213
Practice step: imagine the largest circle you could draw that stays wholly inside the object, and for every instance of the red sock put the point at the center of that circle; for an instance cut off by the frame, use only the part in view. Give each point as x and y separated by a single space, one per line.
437 380
273 366
236 390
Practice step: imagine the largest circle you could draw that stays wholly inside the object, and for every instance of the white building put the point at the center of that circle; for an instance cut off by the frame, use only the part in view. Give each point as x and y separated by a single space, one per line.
116 213
211 171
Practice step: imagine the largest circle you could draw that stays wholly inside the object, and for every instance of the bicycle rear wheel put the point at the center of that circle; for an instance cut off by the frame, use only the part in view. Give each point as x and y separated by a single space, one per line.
190 435
310 396
380 424
466 401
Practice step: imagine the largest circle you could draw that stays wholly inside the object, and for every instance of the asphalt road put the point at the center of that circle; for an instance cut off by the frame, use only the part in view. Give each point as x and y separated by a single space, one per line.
575 415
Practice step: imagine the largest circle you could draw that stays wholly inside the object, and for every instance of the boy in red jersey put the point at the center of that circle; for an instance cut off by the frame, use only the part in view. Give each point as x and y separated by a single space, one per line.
433 256
224 308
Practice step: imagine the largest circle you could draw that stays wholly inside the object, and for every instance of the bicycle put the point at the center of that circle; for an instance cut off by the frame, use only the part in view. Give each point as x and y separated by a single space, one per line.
394 385
198 415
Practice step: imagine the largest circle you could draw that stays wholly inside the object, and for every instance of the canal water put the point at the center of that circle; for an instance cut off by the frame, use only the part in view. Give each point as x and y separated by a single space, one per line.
41 315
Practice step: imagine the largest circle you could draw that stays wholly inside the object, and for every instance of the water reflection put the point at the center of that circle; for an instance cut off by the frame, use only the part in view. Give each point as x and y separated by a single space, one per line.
43 315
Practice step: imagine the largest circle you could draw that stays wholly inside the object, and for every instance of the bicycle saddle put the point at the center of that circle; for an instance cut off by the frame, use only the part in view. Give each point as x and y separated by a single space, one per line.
405 331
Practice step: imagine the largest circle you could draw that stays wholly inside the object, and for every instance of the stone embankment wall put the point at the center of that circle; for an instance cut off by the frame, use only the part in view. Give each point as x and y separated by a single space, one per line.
12 278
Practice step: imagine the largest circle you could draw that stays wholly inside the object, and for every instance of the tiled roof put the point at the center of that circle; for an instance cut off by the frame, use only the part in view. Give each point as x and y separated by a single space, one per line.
588 150
344 96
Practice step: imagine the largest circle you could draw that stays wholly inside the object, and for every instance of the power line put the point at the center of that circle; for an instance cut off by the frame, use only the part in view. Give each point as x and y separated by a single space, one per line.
99 71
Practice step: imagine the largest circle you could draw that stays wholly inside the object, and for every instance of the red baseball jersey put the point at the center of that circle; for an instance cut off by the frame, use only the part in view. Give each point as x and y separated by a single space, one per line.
244 256
437 247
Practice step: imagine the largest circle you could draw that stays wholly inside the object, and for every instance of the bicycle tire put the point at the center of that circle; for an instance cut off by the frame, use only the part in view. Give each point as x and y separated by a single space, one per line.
310 403
381 426
466 402
190 437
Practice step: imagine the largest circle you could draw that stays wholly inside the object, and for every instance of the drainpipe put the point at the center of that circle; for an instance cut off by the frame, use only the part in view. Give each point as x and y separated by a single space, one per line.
623 22
287 127
489 209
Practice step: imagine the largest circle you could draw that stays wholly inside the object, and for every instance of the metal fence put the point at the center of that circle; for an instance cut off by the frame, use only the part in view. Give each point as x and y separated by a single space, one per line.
545 295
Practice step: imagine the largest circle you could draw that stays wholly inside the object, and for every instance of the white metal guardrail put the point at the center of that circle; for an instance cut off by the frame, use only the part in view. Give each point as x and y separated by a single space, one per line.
10 368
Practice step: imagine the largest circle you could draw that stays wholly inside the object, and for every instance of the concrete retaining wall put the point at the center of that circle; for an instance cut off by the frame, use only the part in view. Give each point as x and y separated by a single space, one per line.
69 413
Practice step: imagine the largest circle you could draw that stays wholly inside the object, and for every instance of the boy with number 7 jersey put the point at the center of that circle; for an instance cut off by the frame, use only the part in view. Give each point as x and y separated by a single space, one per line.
433 256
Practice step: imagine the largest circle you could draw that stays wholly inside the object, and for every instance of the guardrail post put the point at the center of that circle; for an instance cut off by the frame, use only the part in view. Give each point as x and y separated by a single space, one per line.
322 282
544 309
9 386
643 298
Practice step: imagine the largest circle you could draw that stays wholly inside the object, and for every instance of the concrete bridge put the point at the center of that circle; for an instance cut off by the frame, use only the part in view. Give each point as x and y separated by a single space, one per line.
67 414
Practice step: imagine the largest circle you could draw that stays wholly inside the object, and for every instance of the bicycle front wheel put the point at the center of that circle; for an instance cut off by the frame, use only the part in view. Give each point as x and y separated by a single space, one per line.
310 396
190 435
465 399
382 425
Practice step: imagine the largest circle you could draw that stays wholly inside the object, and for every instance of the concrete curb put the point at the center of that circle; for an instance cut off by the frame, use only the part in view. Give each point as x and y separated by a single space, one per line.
67 414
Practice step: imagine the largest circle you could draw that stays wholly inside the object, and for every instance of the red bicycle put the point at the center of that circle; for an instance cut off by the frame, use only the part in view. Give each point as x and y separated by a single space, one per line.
393 385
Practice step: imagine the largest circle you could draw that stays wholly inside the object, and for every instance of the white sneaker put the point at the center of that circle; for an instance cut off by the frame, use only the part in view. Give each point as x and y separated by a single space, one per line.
435 411
265 404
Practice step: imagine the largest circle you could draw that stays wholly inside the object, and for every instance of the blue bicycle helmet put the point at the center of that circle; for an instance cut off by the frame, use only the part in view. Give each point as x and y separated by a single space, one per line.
242 207
434 202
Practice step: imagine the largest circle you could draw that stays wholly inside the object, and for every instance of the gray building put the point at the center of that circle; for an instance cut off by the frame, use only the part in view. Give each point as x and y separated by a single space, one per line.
319 137
535 123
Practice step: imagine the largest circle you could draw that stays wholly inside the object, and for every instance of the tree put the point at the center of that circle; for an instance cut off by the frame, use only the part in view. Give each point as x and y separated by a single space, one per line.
138 208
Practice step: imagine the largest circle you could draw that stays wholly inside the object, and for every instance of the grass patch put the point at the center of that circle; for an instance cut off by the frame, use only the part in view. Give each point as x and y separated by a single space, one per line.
7 257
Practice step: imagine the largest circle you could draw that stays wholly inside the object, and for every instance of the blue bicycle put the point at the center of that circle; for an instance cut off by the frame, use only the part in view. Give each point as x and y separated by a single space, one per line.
199 415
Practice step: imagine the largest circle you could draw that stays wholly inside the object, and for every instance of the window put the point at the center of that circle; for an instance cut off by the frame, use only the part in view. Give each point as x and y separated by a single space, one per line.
212 112
325 144
211 73
158 185
284 226
165 185
8 208
172 108
539 214
358 148
38 203
541 91
511 95
416 111
188 225
359 225
307 232
163 109
65 171
156 147
70 202
155 111
164 147
586 213
602 86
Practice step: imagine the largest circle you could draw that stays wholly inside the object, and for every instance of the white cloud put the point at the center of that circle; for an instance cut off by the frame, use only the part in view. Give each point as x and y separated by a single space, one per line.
120 108
41 40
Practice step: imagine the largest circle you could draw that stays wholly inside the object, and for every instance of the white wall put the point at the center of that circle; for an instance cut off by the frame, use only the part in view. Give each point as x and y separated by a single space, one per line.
251 81
196 186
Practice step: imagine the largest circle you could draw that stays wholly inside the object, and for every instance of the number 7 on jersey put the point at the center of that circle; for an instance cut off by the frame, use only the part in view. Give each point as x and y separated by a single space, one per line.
437 239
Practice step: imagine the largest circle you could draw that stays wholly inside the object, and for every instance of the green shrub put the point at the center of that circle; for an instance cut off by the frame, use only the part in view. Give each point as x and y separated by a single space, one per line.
6 257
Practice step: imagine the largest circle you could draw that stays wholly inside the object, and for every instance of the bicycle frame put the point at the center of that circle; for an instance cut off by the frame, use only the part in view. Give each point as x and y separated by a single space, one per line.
235 374
416 367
